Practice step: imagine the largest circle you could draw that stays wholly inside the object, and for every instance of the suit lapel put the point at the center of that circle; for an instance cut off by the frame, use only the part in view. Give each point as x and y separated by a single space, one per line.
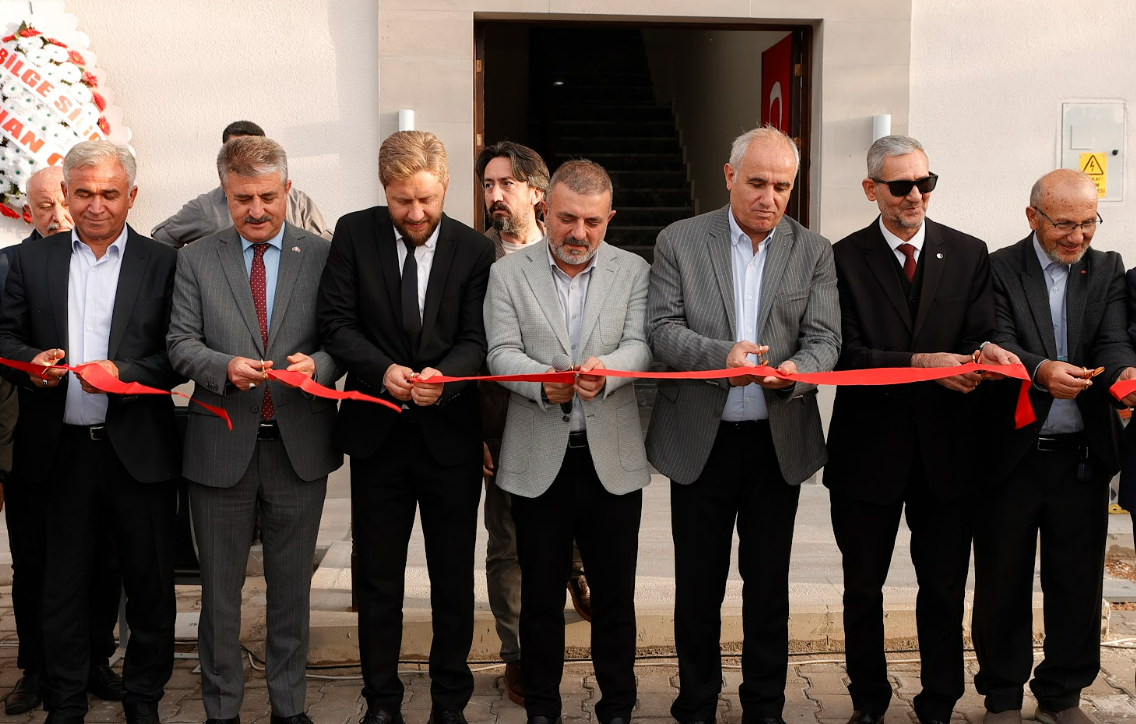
386 247
131 271
878 257
603 276
290 262
779 249
232 260
1076 295
539 276
436 284
721 260
1033 284
58 270
933 259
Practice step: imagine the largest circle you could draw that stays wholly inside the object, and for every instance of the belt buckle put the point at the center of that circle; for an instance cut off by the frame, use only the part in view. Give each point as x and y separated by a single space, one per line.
577 437
97 432
1046 444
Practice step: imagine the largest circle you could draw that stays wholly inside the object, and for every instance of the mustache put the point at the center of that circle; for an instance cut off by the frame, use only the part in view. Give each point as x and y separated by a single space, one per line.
500 206
261 220
573 241
56 226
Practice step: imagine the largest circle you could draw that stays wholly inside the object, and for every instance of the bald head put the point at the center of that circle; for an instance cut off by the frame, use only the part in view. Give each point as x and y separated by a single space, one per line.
46 203
1064 183
1063 214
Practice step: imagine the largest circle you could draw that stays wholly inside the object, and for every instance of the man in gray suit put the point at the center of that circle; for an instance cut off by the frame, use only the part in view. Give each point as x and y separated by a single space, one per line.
244 302
572 455
726 287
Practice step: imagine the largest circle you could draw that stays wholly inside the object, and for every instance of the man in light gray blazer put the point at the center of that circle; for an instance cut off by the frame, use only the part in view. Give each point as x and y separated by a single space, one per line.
572 455
729 288
244 302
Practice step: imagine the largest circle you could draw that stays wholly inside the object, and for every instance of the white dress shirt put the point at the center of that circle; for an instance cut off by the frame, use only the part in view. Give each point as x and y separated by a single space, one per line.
91 288
894 241
1064 416
424 257
573 293
748 402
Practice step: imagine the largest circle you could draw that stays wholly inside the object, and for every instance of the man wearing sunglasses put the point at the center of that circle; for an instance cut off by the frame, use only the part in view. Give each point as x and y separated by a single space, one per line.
1061 308
913 293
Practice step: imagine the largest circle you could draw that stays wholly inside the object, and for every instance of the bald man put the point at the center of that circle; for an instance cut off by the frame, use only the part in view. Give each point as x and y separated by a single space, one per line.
1061 308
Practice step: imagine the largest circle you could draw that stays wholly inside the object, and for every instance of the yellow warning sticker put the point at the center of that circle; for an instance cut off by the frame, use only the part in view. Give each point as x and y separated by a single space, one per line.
1095 165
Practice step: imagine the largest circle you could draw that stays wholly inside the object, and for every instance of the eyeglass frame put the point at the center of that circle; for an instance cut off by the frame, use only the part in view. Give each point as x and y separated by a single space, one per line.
933 178
1068 227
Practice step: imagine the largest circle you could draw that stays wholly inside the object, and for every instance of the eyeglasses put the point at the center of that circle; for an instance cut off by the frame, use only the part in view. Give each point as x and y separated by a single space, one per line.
1068 227
902 187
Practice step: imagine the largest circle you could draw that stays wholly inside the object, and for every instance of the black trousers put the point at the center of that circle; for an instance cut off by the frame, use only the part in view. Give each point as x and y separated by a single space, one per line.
606 529
385 491
940 551
25 506
741 482
1041 495
91 494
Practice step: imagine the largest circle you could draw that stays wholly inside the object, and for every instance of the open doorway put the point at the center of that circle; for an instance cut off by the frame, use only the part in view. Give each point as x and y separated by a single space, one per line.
657 106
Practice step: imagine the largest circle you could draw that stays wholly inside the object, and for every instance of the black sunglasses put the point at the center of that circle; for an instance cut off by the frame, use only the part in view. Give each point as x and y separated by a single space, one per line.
902 187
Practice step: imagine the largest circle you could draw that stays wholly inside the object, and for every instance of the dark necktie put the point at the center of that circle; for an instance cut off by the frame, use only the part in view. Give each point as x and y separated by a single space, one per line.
257 282
909 261
411 321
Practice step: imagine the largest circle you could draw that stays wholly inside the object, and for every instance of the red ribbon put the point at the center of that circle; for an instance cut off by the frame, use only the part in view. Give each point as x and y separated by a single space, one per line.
1123 389
313 388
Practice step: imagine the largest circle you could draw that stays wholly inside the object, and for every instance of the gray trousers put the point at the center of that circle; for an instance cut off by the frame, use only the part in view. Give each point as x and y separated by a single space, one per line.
288 510
503 569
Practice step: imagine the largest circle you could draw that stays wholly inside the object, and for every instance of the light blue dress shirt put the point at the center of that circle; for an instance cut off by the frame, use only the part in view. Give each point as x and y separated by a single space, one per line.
746 403
573 293
1064 416
271 267
91 288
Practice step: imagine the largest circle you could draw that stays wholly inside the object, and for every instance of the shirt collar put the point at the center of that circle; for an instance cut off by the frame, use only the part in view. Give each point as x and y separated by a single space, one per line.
894 241
737 236
430 242
1043 258
552 260
277 241
118 246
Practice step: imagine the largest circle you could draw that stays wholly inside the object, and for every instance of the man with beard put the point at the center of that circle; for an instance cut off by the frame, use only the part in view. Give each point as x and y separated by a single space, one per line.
573 456
514 180
27 504
913 293
400 301
1062 309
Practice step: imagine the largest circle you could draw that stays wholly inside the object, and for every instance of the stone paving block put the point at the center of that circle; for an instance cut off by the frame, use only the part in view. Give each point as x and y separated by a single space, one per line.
184 678
508 713
826 683
414 716
337 698
835 706
655 704
1114 705
800 714
1101 686
332 716
485 682
192 710
478 710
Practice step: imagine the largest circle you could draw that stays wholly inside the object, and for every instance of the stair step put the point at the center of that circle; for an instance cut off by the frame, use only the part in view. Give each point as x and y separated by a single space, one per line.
612 128
631 179
638 162
583 145
565 87
651 216
630 197
608 112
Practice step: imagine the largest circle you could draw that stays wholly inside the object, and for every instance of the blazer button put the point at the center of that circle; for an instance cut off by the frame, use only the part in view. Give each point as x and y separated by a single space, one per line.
255 408
567 418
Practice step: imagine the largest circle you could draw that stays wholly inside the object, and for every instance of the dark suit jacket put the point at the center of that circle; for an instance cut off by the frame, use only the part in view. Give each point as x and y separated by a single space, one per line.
360 311
1127 498
34 318
876 431
1097 313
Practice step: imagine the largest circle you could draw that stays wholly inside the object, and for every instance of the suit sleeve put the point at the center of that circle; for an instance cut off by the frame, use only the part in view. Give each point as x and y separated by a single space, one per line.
189 353
467 354
1111 348
183 227
506 348
1006 333
16 323
671 339
1130 280
633 354
155 370
819 336
337 314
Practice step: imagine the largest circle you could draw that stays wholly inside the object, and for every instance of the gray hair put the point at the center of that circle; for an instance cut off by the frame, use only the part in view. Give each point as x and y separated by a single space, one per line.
765 134
890 146
94 153
252 156
582 176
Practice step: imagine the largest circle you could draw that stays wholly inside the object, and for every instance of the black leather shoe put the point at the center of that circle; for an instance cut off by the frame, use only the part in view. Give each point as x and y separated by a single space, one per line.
762 720
234 720
27 695
616 720
105 684
866 717
381 716
446 716
151 718
546 720
300 718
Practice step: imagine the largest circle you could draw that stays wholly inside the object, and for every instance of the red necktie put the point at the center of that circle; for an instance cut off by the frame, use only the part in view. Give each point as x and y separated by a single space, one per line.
909 261
257 282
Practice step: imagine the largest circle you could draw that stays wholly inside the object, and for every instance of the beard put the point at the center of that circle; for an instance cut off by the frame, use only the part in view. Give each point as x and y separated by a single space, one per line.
506 223
905 223
416 238
561 249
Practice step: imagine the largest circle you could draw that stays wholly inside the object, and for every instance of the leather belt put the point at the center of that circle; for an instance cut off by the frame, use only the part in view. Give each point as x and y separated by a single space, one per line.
577 440
268 431
96 433
1053 443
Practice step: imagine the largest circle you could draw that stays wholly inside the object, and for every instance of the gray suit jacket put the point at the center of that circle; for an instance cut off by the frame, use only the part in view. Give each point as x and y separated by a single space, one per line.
209 213
524 324
690 326
214 320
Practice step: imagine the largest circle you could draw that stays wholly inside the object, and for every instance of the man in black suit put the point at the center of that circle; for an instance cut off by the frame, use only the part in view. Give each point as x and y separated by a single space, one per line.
1061 308
401 301
99 294
913 293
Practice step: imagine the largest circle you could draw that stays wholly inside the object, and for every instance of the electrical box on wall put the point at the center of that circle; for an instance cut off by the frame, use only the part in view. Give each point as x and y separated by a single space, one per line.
1092 140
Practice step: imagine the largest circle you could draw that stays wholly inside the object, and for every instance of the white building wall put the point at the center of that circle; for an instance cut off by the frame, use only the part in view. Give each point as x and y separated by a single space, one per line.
987 83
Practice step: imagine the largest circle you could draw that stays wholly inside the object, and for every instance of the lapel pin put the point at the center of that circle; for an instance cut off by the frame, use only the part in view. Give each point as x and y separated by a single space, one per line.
939 255
296 249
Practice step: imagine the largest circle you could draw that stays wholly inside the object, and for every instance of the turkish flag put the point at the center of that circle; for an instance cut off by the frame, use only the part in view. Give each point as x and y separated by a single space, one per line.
776 93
